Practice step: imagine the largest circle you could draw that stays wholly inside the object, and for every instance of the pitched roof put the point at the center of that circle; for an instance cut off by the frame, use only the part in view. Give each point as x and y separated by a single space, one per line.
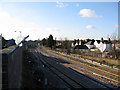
81 47
91 42
98 41
106 41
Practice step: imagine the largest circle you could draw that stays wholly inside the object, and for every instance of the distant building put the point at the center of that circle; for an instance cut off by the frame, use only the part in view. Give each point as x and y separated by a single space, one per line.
6 43
81 47
90 44
94 45
59 44
103 45
10 42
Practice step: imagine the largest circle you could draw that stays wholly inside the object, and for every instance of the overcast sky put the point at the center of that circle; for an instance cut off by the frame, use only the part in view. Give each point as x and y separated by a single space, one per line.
61 19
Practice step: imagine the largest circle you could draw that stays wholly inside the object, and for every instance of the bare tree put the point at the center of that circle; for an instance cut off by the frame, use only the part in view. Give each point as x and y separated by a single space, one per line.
74 42
114 38
78 41
67 45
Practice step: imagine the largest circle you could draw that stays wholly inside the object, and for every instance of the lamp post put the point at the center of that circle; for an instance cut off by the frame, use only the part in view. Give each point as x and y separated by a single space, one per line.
19 32
19 38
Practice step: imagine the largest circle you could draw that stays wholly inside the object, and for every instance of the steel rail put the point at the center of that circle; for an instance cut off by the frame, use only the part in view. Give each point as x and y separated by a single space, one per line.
51 66
94 79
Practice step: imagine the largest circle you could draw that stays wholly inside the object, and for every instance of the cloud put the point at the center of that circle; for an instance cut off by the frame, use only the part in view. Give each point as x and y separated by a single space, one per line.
61 4
88 13
90 27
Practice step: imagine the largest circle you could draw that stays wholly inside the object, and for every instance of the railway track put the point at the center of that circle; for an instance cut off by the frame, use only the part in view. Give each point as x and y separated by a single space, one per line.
91 73
96 73
71 83
107 77
103 71
67 78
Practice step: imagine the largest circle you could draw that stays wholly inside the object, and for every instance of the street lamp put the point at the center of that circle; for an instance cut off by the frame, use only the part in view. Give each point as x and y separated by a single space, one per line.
19 38
19 32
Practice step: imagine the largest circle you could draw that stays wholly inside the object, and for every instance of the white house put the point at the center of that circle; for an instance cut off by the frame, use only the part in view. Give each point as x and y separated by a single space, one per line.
90 45
104 45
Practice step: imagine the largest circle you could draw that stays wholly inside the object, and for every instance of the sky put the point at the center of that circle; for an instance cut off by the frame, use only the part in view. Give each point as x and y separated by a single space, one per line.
71 20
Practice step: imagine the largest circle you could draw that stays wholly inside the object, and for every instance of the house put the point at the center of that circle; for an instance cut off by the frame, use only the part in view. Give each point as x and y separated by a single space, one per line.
78 42
80 45
81 48
93 45
90 44
10 42
59 44
103 45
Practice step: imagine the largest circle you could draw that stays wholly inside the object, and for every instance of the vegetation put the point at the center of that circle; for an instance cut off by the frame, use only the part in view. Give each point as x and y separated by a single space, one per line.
3 42
7 49
89 64
6 43
111 62
115 53
110 59
44 42
49 42
101 60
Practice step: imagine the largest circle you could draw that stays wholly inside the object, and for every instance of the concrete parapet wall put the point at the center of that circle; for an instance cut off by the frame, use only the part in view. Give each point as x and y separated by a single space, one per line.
12 68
